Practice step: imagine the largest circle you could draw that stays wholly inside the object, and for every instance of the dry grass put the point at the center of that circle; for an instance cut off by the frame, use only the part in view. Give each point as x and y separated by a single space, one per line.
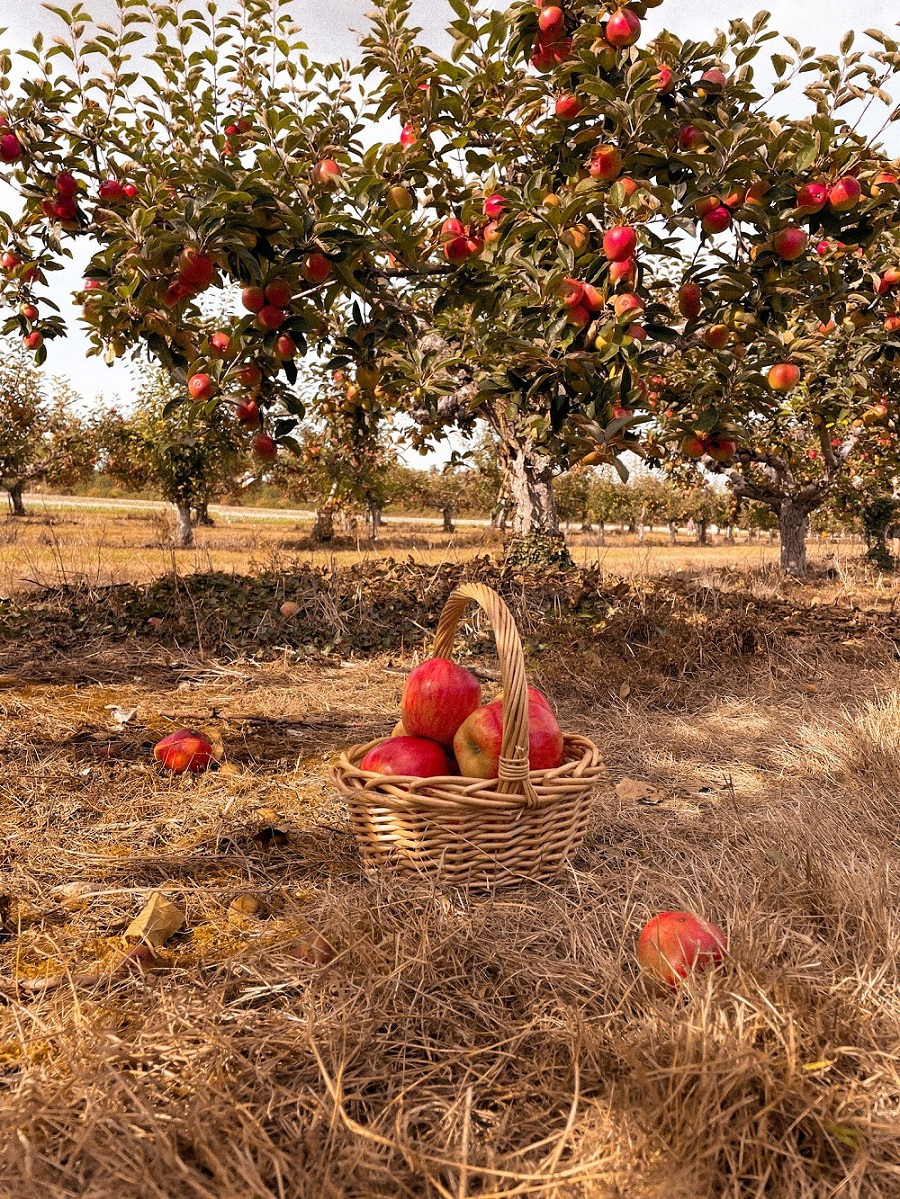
458 1045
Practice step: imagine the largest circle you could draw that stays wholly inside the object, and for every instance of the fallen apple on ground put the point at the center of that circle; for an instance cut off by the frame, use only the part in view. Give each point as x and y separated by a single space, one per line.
185 750
437 698
674 943
417 757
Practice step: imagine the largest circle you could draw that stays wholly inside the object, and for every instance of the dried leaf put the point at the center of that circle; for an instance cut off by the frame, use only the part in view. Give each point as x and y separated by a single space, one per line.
637 791
624 691
243 907
158 920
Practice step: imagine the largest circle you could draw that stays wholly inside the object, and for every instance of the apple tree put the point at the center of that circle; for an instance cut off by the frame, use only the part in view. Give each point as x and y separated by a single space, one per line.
42 437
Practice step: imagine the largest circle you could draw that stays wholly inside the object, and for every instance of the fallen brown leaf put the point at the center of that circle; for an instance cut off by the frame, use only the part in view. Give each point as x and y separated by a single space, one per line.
158 920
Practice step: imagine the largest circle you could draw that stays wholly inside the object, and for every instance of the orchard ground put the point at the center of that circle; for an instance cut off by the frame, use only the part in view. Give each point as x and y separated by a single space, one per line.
456 1044
101 541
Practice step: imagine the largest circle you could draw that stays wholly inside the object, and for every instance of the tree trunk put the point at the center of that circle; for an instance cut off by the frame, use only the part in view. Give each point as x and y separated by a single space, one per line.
673 532
729 534
15 499
601 532
447 514
533 518
793 525
702 538
373 520
184 533
586 525
201 514
323 529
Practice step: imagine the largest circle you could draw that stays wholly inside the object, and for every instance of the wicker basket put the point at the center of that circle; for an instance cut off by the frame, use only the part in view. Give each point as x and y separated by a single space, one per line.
476 832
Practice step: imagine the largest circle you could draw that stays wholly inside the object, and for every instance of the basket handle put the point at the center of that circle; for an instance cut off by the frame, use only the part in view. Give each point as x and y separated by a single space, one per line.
513 768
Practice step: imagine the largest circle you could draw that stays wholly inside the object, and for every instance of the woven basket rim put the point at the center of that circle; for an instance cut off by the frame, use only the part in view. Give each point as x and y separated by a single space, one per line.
581 767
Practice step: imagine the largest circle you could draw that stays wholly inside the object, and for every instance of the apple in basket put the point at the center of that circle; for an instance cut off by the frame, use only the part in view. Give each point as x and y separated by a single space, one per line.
414 756
478 740
437 698
673 943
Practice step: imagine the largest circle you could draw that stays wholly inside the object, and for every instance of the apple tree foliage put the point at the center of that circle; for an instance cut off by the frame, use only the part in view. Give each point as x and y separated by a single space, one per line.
587 240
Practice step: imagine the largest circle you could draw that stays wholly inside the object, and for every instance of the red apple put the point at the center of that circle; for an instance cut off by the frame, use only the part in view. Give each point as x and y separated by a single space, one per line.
790 243
253 298
567 107
714 79
882 180
195 267
717 221
892 323
111 191
326 172
478 740
131 191
674 943
706 204
721 448
30 312
286 347
665 80
269 317
578 315
201 386
628 301
844 194
619 243
552 20
605 163
812 197
184 750
493 206
437 698
247 414
690 300
783 376
66 184
591 298
457 250
33 340
10 148
66 208
264 447
220 345
452 228
408 136
279 292
249 375
415 757
571 292
690 138
693 446
623 28
622 272
317 268
717 337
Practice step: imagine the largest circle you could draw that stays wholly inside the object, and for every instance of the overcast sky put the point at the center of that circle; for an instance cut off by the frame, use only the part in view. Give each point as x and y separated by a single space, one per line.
331 30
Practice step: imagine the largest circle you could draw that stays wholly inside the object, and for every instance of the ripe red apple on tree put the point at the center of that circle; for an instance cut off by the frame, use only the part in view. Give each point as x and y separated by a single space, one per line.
220 345
437 698
690 138
326 173
693 446
717 221
111 191
269 317
316 268
690 300
253 298
623 28
33 340
201 386
478 740
408 136
279 293
185 750
783 376
628 301
721 448
619 243
790 243
249 375
717 337
30 312
674 943
66 184
552 20
567 107
247 414
195 267
10 148
812 197
845 194
416 757
264 447
285 346
665 80
622 272
493 206
605 163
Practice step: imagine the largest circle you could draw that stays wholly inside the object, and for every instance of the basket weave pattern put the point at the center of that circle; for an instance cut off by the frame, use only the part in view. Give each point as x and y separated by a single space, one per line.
493 832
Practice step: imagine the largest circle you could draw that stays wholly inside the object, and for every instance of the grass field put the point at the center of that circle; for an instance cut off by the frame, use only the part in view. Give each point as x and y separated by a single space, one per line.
456 1044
